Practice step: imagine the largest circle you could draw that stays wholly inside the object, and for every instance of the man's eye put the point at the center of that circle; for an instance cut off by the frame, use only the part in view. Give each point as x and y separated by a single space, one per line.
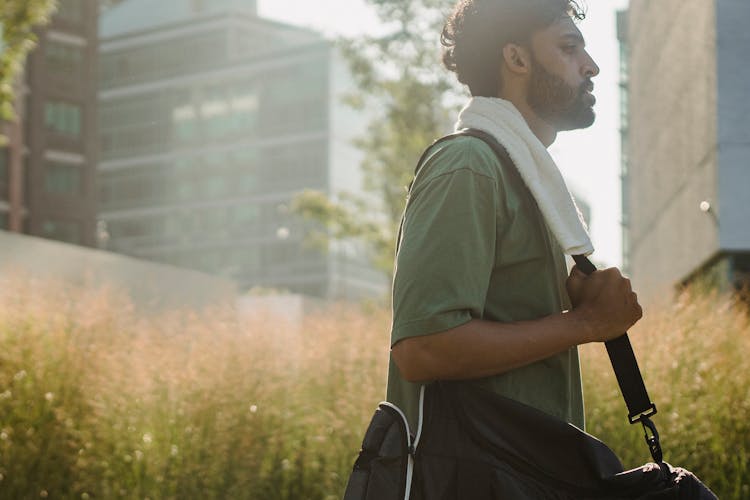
569 48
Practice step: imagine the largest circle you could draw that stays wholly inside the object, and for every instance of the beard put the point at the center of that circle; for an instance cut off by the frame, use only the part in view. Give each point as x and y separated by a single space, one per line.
558 103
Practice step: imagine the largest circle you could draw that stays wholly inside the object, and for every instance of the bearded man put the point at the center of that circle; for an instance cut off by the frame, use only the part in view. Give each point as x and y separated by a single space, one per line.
481 293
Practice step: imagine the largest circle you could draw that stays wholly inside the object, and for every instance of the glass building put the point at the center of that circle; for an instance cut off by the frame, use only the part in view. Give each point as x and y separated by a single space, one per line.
211 120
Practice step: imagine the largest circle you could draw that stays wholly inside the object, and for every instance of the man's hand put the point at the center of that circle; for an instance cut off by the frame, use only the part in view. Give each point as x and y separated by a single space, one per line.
604 301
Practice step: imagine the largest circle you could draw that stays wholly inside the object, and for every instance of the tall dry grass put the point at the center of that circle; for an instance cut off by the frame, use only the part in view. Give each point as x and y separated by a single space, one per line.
98 400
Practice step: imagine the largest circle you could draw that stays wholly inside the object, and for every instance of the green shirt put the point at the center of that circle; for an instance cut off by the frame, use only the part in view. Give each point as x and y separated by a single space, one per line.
475 245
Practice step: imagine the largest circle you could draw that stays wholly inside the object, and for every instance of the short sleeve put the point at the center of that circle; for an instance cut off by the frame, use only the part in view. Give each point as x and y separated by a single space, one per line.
446 254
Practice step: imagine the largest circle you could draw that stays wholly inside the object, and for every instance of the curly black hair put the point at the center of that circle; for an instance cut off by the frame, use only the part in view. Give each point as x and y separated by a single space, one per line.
477 30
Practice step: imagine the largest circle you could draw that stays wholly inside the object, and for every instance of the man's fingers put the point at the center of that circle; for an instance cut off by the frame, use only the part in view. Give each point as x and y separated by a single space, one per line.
576 271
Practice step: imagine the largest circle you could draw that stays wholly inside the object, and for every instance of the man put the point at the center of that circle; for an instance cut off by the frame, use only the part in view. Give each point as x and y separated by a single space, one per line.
481 292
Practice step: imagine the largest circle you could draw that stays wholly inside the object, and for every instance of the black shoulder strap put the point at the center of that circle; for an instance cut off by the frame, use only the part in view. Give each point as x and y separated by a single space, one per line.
498 148
621 355
629 378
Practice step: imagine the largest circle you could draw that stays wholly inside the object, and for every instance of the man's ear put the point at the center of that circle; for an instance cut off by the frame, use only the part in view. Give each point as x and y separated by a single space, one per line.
517 59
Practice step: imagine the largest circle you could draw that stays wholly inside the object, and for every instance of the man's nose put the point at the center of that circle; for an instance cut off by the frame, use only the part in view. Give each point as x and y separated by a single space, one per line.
590 68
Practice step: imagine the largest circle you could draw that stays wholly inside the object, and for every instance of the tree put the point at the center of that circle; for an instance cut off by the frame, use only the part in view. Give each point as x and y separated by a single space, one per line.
18 18
400 72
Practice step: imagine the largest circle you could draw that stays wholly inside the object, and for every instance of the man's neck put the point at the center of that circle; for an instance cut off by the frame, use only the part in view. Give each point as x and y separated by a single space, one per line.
545 132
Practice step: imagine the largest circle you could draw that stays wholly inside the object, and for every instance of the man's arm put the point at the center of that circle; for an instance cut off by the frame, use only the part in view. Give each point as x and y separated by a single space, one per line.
604 308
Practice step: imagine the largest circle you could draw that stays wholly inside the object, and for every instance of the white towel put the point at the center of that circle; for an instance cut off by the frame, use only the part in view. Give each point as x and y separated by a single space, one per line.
504 122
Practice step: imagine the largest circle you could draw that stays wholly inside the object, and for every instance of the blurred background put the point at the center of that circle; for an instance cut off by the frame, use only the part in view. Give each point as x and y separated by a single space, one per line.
198 206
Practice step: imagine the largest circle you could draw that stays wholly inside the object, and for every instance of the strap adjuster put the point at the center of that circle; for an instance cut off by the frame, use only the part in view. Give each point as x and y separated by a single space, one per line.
641 415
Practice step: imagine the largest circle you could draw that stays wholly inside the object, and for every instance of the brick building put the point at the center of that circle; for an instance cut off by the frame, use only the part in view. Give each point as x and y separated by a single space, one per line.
48 169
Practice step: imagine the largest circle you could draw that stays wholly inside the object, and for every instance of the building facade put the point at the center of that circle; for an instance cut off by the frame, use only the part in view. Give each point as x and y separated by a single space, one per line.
48 169
212 120
686 142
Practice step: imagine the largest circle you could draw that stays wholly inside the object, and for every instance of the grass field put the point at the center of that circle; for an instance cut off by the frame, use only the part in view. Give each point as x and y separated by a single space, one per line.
99 401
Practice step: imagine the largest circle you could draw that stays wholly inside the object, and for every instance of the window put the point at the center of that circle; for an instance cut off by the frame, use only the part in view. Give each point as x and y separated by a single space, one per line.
170 58
125 228
71 10
284 168
140 110
185 188
211 221
63 118
245 214
213 186
243 220
244 108
184 123
137 228
64 58
67 231
3 173
245 165
624 70
3 165
62 178
214 110
247 182
135 125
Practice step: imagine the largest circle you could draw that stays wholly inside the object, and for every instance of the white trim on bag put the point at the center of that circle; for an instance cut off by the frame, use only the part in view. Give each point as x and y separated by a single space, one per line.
410 458
412 448
420 421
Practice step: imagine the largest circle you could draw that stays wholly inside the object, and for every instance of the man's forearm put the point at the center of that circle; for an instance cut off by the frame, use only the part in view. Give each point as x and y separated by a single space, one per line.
605 306
482 348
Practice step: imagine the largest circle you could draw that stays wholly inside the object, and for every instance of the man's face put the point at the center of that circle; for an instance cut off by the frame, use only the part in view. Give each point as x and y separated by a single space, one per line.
559 89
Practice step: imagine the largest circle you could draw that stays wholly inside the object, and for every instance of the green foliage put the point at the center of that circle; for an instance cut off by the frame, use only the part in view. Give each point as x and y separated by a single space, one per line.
18 18
346 218
399 74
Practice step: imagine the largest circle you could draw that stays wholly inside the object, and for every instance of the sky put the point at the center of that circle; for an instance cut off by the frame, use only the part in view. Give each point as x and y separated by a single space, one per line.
589 159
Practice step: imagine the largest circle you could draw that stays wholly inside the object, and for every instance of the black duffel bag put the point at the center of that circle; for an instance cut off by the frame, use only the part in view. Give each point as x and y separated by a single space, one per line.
481 446
476 445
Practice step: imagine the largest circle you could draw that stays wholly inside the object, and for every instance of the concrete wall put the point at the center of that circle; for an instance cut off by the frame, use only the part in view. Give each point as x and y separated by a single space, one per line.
733 208
673 139
150 285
